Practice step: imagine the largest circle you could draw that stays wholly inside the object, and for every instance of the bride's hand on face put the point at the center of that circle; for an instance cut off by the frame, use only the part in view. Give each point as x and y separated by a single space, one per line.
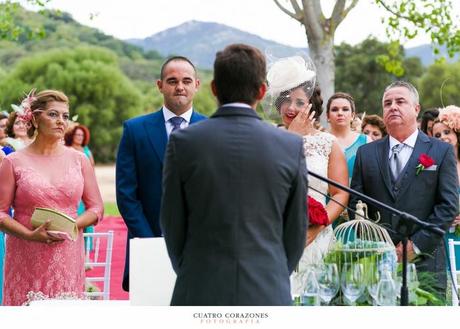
313 232
456 221
302 124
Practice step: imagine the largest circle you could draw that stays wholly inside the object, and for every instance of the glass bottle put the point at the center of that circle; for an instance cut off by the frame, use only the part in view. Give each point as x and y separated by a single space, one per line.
386 289
310 296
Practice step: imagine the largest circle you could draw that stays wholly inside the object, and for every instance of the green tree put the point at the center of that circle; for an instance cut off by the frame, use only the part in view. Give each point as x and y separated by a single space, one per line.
360 72
101 95
12 26
20 29
204 101
440 85
406 19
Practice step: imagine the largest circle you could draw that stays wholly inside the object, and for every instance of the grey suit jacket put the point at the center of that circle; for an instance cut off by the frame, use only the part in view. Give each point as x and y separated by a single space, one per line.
233 210
430 196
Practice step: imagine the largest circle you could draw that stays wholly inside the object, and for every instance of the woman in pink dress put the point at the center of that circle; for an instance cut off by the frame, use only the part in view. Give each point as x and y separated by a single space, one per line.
45 174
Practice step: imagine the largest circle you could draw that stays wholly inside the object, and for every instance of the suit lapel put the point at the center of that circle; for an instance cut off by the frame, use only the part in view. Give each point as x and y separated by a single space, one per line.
194 118
382 154
422 145
156 131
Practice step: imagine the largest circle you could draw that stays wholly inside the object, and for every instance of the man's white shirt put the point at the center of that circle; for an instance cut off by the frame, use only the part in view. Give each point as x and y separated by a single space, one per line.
167 114
406 151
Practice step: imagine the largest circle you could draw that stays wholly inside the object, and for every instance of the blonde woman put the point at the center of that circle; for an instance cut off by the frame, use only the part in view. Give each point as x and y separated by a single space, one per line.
45 174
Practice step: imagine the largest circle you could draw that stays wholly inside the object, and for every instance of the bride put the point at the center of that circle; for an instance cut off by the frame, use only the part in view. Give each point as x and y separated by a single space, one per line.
298 101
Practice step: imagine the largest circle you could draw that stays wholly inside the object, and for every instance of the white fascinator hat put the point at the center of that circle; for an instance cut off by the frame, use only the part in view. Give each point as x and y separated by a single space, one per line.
288 73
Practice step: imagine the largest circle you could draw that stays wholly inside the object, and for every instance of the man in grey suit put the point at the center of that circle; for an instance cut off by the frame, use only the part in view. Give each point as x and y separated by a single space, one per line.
390 170
234 189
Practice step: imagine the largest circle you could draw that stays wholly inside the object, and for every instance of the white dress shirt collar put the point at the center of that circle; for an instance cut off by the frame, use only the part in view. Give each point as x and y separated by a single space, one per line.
236 104
168 114
409 141
406 151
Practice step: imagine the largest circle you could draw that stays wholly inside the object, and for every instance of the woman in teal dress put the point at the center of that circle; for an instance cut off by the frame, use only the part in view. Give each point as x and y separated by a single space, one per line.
447 128
78 138
340 114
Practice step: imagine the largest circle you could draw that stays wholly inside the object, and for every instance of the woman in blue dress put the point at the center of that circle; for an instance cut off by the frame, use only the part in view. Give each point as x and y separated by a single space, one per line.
447 128
340 114
78 138
4 150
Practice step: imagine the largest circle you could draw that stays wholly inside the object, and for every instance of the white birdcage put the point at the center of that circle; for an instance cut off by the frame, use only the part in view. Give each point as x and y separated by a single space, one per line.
361 241
362 235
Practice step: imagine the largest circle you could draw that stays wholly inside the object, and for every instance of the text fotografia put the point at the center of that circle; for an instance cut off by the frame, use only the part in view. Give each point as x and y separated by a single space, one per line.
230 318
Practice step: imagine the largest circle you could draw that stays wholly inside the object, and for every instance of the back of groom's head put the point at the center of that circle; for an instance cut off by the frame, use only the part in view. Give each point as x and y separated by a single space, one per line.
239 74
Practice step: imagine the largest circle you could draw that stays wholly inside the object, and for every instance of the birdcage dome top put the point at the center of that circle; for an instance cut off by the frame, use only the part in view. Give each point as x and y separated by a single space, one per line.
362 234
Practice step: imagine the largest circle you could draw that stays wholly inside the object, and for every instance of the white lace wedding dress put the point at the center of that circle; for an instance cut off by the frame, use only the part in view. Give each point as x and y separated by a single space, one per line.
317 149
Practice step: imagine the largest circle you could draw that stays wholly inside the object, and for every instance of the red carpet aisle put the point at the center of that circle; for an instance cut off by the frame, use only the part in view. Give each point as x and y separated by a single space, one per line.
118 227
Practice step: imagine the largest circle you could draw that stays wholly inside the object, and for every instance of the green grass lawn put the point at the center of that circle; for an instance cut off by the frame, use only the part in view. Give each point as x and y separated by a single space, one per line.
111 209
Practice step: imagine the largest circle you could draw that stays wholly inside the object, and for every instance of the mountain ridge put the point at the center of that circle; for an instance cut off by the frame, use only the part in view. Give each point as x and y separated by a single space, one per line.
201 40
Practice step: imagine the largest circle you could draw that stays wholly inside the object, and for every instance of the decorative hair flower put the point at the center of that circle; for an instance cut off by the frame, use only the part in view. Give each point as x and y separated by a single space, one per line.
24 111
450 116
424 161
316 213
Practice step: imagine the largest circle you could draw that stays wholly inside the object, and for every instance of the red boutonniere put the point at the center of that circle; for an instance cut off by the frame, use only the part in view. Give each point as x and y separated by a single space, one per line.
316 213
424 161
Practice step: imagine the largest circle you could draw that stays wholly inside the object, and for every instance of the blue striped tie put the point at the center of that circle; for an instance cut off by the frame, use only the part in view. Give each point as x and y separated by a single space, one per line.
176 122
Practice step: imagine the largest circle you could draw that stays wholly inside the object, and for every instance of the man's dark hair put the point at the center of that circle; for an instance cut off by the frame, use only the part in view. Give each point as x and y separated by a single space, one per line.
239 72
172 59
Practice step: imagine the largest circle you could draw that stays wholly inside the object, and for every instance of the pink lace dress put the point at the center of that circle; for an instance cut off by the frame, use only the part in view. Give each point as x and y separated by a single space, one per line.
59 182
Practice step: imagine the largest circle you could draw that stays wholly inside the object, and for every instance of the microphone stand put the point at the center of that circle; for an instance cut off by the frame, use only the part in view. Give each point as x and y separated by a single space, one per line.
405 225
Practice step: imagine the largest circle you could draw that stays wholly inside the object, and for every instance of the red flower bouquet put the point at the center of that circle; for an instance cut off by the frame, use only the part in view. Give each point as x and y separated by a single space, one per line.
424 161
316 213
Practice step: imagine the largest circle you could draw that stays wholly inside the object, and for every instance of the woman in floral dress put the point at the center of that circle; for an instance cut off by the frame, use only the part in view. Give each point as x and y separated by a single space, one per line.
45 174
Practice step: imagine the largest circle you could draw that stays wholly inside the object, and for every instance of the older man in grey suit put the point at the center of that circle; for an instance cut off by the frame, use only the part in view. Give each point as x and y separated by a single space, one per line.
394 170
234 190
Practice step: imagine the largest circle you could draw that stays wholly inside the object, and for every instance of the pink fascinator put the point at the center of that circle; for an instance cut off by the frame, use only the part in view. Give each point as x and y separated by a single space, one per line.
450 116
24 111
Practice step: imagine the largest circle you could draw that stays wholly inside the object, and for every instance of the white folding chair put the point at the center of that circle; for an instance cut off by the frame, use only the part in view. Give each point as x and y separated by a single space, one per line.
453 269
93 259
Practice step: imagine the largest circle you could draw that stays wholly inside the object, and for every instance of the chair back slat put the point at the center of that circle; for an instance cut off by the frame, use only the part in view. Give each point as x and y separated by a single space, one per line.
93 259
452 244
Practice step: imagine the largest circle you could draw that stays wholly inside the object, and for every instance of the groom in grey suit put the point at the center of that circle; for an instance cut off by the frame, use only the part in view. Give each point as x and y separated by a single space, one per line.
387 171
234 196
